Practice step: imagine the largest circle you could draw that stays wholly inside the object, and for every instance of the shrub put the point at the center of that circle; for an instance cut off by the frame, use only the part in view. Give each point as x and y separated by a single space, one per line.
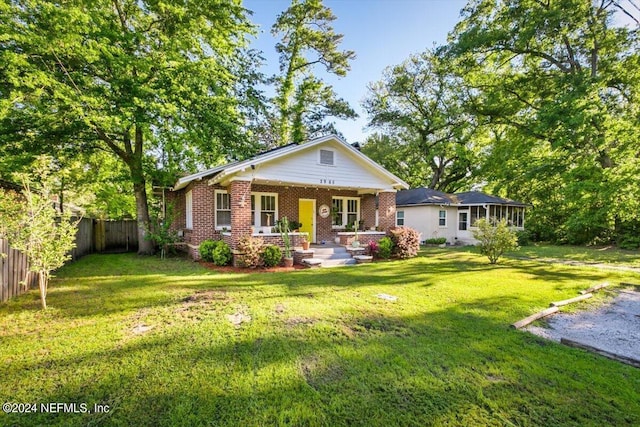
373 248
271 255
385 247
222 254
524 237
406 241
436 241
250 249
495 238
206 249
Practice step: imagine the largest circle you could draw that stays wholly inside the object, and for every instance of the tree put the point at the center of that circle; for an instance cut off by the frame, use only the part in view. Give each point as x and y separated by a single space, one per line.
559 83
302 100
31 225
130 78
419 107
495 238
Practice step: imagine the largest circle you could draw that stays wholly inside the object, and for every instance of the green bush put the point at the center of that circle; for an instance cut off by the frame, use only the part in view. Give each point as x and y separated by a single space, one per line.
436 241
206 249
495 238
271 255
385 247
524 237
222 254
250 249
406 242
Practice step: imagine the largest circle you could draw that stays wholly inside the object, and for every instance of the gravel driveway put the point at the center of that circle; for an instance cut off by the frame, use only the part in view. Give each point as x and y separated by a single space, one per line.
613 327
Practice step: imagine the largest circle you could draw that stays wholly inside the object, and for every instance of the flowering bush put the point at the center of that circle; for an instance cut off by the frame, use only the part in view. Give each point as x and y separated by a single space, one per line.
373 248
250 249
406 241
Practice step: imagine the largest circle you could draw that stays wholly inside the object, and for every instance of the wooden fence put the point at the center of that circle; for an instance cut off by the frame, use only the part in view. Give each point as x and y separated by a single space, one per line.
15 278
92 236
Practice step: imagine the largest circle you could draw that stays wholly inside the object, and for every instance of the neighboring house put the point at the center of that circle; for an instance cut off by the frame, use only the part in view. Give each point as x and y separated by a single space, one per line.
325 184
453 216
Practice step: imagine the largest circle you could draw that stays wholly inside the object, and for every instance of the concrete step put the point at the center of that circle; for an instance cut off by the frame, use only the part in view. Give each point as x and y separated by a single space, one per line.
337 262
319 250
332 256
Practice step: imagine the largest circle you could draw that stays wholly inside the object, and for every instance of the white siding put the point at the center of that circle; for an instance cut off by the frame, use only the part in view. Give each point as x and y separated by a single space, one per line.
425 220
304 168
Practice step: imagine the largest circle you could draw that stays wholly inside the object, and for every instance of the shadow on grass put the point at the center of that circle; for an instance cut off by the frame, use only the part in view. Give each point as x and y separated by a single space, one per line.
449 366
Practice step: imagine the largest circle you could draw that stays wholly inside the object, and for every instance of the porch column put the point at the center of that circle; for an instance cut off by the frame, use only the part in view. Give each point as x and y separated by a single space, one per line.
369 211
240 192
386 209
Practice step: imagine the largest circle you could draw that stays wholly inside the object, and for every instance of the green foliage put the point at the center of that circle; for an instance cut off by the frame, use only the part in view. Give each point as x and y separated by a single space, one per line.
385 248
206 249
557 84
524 237
250 251
216 251
271 255
406 242
31 225
284 230
302 100
436 241
429 138
495 238
153 84
222 254
161 232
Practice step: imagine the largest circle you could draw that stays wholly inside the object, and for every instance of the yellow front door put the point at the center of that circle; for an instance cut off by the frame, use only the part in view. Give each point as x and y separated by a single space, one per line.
307 217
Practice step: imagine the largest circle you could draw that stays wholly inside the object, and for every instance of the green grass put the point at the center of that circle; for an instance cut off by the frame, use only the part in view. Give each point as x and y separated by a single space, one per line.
320 348
586 254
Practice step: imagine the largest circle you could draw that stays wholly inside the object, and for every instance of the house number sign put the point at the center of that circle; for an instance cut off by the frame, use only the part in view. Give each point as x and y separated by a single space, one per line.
324 211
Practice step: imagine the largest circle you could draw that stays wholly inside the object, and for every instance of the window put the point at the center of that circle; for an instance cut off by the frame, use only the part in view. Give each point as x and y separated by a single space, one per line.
442 218
477 212
400 218
337 211
223 209
189 210
267 209
327 157
345 211
462 220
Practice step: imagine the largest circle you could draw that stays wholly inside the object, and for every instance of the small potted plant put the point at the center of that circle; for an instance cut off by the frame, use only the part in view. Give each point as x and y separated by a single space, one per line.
305 241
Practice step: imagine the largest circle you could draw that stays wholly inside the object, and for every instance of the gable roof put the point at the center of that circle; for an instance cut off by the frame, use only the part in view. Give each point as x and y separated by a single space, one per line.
219 172
428 196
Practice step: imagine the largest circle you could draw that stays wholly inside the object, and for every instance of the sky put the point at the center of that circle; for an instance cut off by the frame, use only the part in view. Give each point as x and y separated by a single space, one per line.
382 33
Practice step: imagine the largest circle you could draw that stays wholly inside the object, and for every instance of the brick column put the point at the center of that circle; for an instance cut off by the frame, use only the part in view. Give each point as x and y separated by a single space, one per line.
368 209
203 214
386 210
240 210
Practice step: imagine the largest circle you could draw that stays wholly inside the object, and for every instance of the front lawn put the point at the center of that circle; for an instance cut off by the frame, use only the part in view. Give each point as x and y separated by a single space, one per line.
161 343
589 255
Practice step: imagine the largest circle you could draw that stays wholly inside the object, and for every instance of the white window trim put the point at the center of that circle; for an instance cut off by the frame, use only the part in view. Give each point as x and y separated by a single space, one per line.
446 222
215 210
258 205
403 219
345 213
335 162
188 204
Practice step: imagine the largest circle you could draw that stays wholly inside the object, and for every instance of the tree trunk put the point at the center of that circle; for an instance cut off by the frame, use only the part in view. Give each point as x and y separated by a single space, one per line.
145 246
42 284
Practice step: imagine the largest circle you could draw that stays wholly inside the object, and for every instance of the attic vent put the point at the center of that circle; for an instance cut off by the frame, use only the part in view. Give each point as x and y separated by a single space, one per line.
327 158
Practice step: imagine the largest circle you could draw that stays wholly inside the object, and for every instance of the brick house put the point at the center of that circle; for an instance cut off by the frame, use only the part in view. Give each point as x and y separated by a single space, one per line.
325 184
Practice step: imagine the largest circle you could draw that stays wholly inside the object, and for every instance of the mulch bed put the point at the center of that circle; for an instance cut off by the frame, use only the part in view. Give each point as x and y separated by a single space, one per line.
230 269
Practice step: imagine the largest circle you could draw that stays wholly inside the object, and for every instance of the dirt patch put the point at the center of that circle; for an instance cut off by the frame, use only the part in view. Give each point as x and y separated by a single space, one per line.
206 296
299 320
231 269
613 327
318 374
